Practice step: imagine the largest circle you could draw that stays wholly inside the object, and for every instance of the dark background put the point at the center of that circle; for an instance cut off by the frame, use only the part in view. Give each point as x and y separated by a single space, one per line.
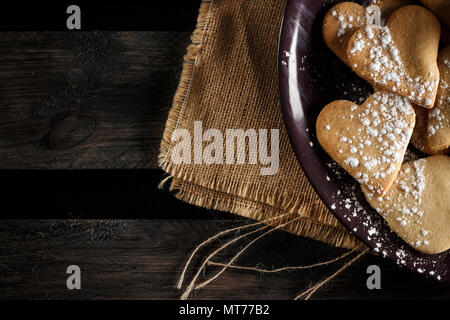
81 118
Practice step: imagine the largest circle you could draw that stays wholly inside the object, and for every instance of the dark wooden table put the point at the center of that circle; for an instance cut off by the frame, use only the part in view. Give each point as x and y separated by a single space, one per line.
99 100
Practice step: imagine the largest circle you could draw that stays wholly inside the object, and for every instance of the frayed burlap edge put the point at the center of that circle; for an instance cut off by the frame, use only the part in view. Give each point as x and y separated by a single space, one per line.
198 38
256 200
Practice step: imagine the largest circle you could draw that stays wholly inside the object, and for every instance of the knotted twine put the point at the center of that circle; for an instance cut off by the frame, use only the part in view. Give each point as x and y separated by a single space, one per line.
229 81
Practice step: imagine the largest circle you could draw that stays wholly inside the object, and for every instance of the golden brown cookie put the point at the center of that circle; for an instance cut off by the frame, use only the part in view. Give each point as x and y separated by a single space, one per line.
400 57
419 138
340 22
343 19
441 8
417 207
439 116
369 141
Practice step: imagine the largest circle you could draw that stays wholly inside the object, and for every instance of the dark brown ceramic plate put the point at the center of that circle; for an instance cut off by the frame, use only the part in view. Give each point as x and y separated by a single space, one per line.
310 77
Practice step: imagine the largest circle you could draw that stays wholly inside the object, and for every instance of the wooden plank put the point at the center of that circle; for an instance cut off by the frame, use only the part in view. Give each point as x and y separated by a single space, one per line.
142 259
86 99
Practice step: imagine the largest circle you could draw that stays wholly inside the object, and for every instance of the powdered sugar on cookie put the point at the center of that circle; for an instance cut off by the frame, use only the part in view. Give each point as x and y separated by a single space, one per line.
384 126
375 49
411 207
370 140
399 57
346 22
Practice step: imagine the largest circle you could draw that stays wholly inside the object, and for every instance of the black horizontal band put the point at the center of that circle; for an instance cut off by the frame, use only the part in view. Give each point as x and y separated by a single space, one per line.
101 15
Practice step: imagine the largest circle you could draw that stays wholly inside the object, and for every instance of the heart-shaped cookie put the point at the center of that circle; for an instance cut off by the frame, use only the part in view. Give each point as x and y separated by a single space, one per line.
339 24
415 207
400 57
369 141
439 116
343 19
419 138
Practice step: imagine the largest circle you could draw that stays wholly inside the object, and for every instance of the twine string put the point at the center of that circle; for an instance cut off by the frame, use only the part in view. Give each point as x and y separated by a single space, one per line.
308 293
218 235
191 285
292 268
237 255
317 286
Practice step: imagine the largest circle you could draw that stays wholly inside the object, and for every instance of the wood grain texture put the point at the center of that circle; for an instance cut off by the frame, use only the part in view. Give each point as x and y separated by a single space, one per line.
86 99
142 259
95 100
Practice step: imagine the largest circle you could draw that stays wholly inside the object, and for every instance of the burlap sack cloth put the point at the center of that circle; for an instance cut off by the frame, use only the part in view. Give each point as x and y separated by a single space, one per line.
229 80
